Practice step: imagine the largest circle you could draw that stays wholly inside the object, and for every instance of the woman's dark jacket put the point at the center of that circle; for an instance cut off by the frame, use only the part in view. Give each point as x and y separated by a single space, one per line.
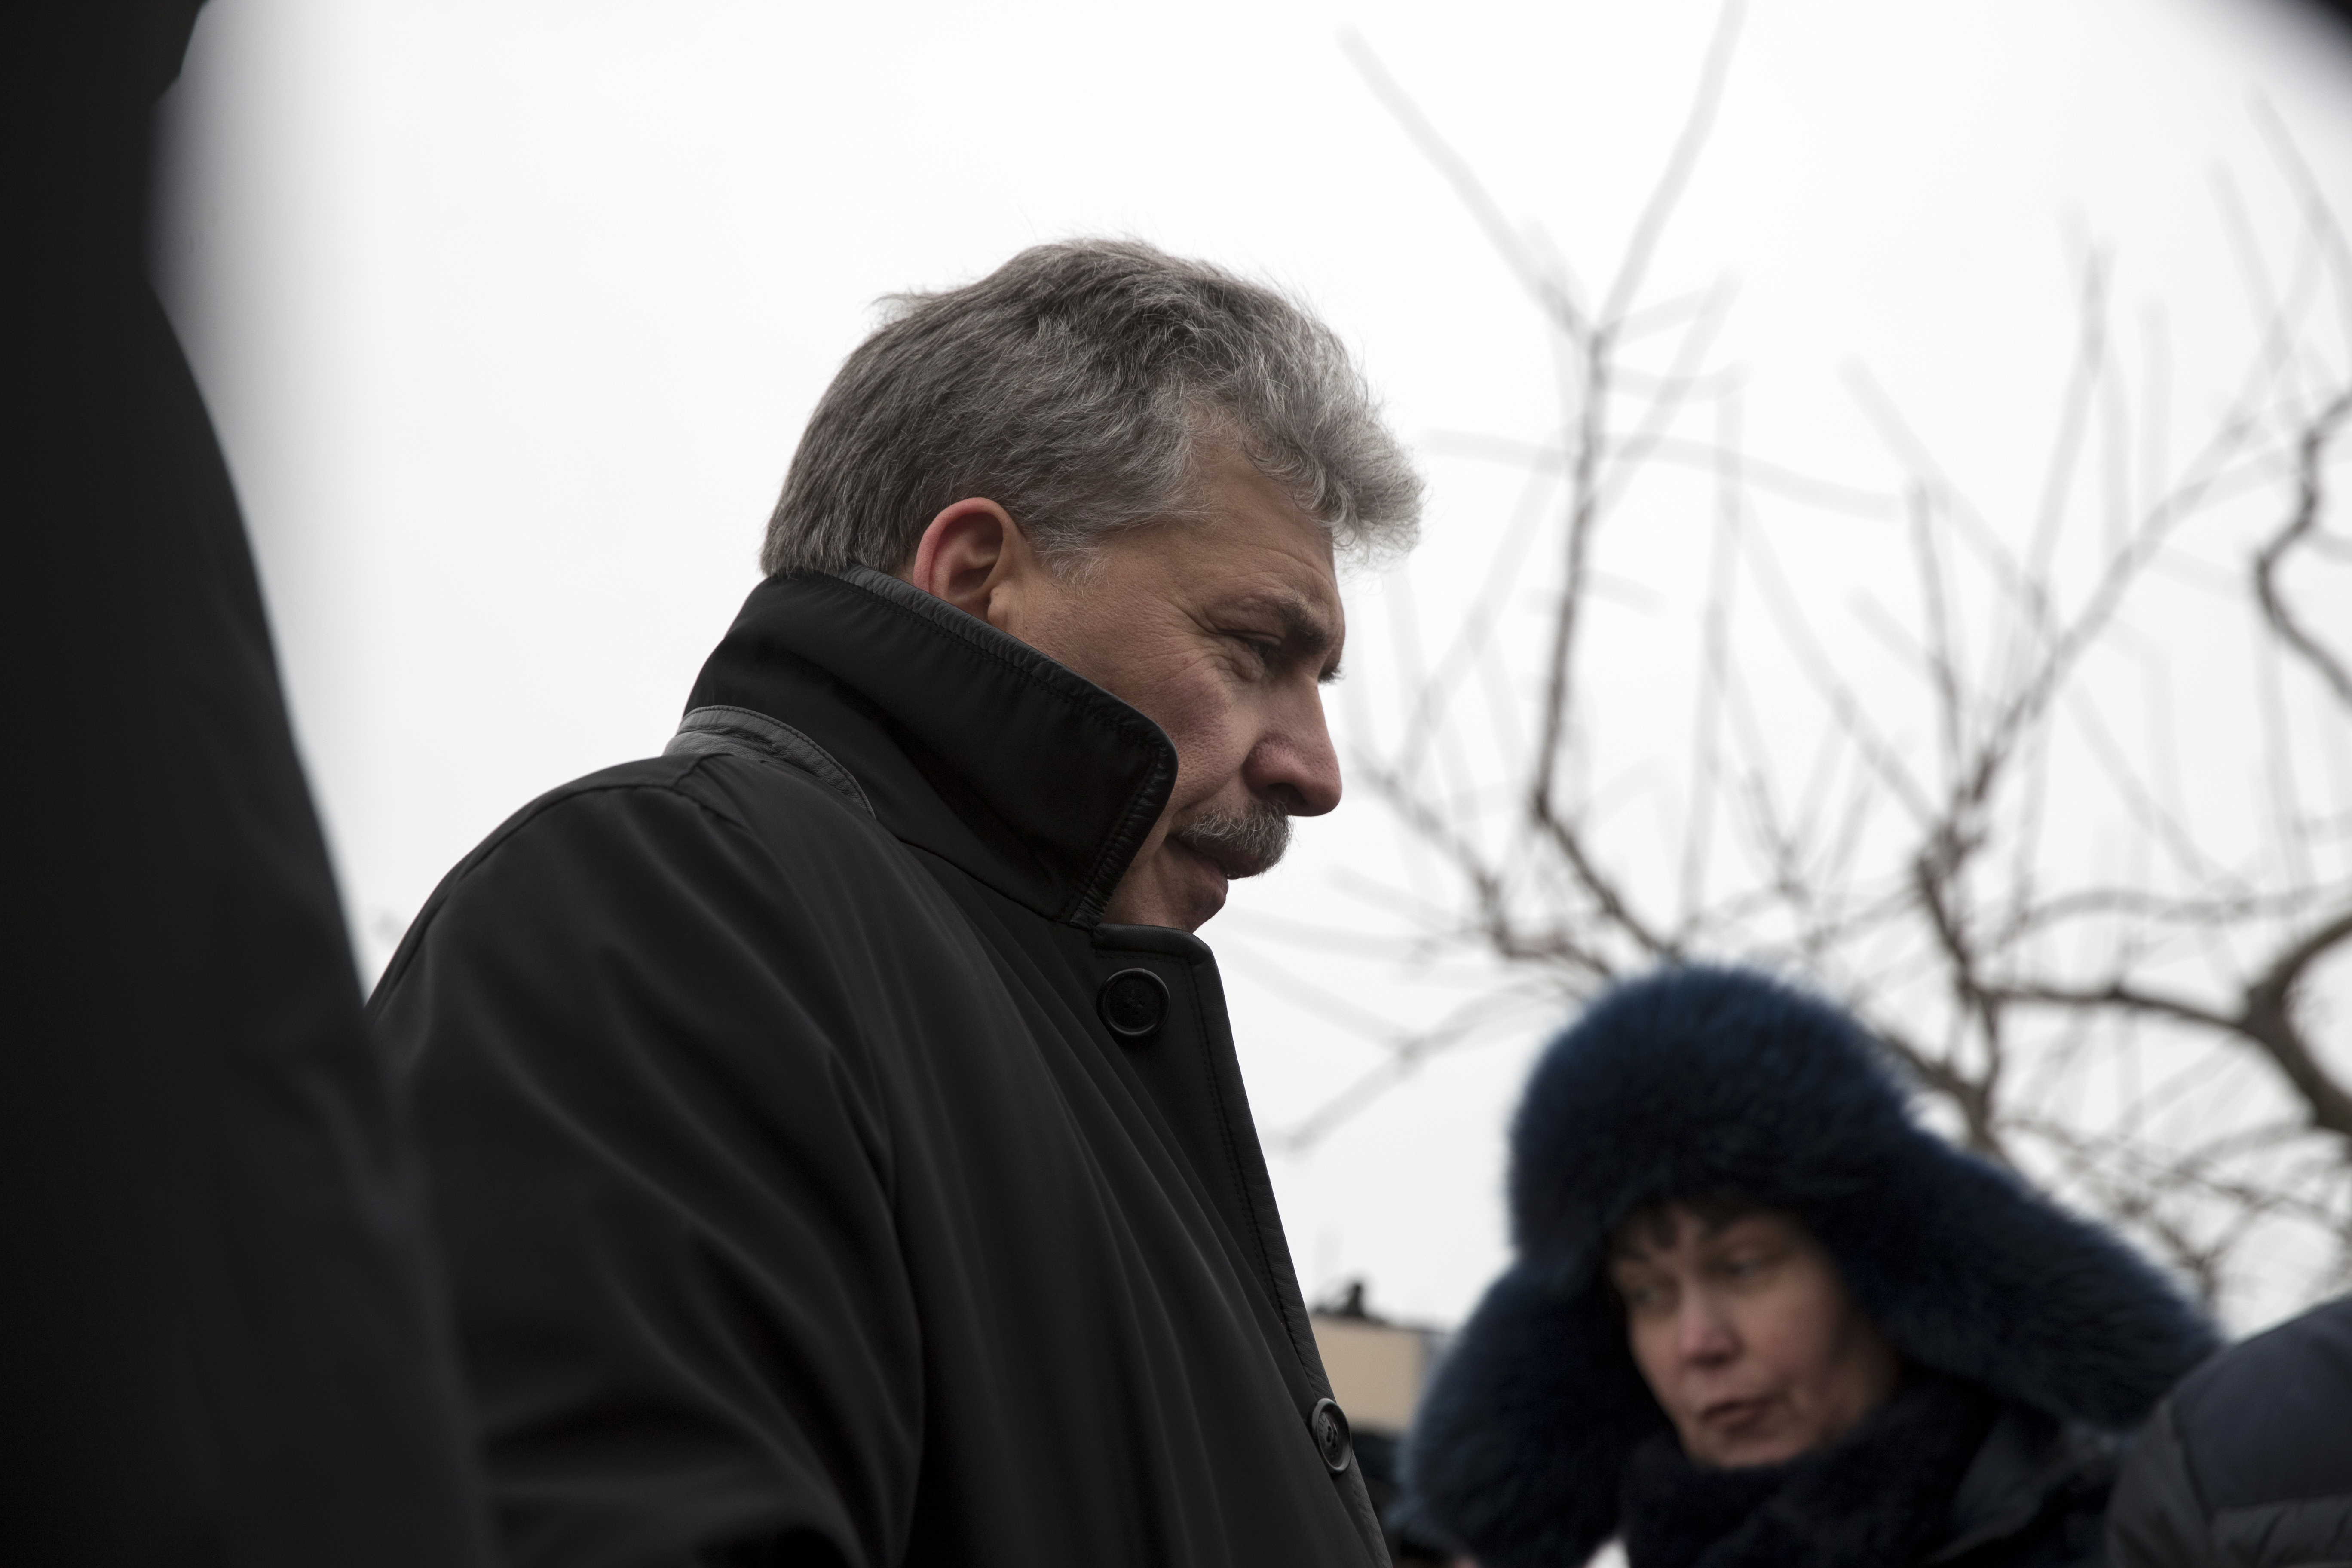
1538 1432
819 1180
2248 1464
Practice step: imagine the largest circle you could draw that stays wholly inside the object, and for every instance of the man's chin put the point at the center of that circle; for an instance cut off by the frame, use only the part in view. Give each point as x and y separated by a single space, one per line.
1199 887
1181 888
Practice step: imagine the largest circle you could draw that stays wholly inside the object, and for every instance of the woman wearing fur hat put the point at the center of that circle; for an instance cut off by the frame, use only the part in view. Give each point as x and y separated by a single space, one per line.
1759 1317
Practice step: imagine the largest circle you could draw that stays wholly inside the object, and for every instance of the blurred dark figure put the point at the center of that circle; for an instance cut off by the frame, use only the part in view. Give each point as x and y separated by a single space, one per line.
220 1341
1759 1317
1381 1456
2249 1463
2336 11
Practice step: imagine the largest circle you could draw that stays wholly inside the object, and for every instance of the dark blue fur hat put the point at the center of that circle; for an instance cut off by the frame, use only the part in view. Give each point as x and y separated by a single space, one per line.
1697 1082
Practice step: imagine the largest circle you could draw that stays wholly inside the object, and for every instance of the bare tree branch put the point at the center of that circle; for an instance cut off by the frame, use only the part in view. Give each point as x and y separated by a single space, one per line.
2311 459
1955 828
2264 1016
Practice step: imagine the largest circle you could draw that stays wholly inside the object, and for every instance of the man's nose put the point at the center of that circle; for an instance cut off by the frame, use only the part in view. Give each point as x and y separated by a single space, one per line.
1294 763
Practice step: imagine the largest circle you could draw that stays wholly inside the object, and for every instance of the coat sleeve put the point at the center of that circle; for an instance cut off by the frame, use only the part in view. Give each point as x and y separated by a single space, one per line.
2156 1520
2246 1461
662 1187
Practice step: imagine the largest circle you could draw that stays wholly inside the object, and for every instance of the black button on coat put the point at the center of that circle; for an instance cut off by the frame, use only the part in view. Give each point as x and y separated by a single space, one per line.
805 1196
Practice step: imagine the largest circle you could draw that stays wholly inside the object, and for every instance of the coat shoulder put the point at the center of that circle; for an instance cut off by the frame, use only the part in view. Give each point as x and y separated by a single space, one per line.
706 817
2246 1461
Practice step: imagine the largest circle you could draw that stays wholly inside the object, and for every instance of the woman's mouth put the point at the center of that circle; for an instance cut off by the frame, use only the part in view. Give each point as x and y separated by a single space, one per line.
1732 1416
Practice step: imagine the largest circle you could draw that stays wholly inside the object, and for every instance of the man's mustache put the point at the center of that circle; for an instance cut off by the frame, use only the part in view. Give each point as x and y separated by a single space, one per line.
1242 843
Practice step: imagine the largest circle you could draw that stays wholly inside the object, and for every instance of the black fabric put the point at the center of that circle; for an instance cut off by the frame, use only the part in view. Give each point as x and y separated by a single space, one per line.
1380 1454
799 1205
2156 1519
2273 1418
2249 1463
1700 1080
222 1340
2035 1496
1026 776
1879 1497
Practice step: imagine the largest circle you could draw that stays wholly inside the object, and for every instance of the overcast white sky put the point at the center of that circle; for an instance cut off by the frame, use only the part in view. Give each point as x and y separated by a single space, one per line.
510 312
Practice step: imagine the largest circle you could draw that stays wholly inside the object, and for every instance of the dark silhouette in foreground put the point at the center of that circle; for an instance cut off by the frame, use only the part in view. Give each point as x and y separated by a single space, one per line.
222 1340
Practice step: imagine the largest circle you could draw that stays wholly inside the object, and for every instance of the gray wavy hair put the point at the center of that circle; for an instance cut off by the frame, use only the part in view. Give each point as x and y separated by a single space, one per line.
1079 386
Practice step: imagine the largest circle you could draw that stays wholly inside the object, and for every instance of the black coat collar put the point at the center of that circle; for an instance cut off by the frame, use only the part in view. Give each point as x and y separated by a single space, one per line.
968 743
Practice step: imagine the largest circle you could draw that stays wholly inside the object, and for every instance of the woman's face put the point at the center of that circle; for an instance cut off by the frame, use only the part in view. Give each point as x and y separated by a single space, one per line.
1746 1334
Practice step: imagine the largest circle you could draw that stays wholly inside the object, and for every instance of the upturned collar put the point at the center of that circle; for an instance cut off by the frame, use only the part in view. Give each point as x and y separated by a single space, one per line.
968 743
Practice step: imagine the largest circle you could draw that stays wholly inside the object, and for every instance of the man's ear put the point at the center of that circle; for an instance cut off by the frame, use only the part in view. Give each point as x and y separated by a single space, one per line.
972 556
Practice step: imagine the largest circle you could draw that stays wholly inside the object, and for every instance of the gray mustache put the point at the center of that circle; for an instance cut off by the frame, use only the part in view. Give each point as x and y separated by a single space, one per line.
1256 839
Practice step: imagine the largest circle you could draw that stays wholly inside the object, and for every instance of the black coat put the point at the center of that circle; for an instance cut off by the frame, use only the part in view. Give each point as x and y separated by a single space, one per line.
801 1201
2249 1462
218 1336
1699 1081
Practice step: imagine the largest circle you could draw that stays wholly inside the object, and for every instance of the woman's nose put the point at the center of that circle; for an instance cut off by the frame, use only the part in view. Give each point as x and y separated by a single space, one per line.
1705 1334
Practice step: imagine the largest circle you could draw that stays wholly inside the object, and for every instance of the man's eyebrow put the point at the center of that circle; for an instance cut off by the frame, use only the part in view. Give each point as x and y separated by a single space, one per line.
1305 628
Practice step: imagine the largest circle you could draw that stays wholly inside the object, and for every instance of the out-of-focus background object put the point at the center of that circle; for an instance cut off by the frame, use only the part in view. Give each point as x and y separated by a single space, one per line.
511 312
221 1340
1378 1369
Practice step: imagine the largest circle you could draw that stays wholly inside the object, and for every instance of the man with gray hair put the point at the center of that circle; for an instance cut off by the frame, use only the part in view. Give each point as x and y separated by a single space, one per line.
835 1134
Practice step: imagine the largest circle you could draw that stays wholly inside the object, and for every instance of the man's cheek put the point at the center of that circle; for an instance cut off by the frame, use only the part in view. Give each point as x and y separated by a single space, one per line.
1209 745
1217 762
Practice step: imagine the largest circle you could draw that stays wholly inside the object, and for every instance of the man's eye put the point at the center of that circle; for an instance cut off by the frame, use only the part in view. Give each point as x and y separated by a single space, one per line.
1264 651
